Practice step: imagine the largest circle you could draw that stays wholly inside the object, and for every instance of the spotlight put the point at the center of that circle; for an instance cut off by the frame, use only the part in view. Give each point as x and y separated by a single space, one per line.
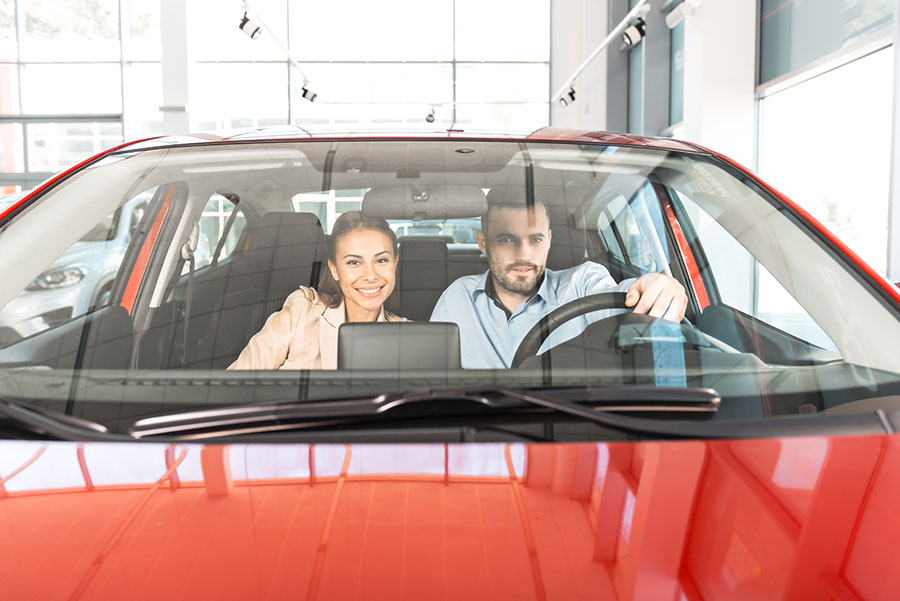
634 33
308 93
430 116
249 27
567 98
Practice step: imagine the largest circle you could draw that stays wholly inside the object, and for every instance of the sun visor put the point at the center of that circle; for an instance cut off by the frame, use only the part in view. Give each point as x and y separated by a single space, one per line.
416 201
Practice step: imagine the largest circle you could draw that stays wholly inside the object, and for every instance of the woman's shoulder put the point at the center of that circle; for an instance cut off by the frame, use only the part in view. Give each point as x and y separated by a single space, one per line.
304 301
388 316
305 293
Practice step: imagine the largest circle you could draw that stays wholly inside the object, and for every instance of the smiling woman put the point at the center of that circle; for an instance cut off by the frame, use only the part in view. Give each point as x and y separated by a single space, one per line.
362 270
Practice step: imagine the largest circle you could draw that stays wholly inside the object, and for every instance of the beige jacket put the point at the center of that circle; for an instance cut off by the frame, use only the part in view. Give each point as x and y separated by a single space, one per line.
302 335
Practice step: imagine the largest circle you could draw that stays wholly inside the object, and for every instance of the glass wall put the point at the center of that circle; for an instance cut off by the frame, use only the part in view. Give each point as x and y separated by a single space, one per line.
71 86
468 63
826 144
795 34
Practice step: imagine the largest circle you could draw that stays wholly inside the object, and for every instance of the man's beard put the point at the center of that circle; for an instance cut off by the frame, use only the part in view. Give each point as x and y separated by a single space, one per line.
521 286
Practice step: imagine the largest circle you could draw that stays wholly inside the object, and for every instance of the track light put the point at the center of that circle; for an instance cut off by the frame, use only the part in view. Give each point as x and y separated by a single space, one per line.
254 29
634 33
307 93
638 10
249 27
567 98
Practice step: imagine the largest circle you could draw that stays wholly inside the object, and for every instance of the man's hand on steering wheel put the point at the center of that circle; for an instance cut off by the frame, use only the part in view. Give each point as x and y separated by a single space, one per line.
658 295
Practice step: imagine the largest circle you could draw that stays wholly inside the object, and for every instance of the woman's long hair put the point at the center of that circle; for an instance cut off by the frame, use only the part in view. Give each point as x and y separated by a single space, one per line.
329 289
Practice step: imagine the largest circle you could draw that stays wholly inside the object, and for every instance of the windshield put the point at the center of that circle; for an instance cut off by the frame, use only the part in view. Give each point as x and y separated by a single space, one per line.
238 273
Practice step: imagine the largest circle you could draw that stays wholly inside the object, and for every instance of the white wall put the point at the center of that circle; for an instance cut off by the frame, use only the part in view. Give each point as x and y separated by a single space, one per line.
720 78
577 28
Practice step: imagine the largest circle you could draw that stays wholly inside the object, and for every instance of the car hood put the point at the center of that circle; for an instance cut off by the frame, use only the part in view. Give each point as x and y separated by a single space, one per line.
793 518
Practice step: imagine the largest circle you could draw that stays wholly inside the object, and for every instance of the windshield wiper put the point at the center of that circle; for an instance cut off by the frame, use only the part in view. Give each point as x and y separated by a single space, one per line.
598 405
48 424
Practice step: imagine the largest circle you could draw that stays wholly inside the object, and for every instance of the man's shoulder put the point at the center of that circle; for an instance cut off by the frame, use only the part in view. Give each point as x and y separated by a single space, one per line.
461 289
466 283
579 272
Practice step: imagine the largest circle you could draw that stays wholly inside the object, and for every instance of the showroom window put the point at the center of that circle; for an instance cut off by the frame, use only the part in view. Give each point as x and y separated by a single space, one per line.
475 65
825 88
795 35
71 87
823 143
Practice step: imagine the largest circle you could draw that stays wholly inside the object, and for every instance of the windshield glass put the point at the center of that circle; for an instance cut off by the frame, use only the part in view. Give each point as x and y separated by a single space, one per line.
236 273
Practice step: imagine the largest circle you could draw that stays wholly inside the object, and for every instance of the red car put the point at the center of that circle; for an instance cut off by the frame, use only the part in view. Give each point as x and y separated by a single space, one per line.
221 427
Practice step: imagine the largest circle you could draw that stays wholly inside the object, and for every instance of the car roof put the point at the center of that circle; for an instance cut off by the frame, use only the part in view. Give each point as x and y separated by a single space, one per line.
296 132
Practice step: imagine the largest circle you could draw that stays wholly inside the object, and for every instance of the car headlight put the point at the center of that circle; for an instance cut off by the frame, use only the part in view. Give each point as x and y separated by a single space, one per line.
58 278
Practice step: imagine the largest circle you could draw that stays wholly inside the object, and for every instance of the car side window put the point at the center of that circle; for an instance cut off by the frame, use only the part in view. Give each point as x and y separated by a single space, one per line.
218 231
633 232
745 284
78 281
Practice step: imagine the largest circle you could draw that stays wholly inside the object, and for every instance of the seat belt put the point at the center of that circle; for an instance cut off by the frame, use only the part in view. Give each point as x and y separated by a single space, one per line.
187 253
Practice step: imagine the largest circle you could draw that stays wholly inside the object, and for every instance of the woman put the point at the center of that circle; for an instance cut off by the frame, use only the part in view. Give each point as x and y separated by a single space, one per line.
362 268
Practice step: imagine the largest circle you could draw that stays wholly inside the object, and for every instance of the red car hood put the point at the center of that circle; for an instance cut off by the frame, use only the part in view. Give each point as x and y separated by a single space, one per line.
793 518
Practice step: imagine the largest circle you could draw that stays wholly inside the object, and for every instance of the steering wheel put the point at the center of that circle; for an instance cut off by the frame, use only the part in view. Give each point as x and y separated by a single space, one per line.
536 336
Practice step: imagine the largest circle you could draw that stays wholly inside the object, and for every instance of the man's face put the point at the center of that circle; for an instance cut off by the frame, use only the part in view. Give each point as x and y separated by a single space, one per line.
516 243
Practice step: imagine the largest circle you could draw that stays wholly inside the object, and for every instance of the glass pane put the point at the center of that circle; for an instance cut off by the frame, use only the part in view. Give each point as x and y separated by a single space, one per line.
212 226
62 31
56 146
8 31
143 42
365 30
11 148
143 97
215 32
9 90
502 83
845 185
503 30
372 115
61 89
391 83
794 34
78 280
520 117
218 100
676 75
734 270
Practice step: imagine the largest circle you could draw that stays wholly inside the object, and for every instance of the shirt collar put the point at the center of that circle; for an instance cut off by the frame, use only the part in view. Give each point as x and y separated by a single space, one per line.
485 285
546 291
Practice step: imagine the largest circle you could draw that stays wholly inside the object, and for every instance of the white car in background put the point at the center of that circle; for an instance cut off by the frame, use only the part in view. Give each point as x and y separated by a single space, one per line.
79 279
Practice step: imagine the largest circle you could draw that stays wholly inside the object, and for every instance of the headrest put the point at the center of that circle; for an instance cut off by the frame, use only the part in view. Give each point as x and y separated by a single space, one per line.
281 228
547 195
423 250
424 201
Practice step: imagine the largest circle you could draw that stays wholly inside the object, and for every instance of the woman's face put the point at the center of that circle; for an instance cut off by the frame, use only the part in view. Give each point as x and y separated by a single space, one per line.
366 270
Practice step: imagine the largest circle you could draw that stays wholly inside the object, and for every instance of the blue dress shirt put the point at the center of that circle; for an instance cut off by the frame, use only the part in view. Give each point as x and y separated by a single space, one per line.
489 336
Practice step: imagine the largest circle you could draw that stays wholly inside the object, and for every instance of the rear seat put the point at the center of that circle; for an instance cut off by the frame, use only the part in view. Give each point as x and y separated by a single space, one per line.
421 276
286 251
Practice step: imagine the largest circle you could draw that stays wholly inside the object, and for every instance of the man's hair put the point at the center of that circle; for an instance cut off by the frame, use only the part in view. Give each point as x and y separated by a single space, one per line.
517 206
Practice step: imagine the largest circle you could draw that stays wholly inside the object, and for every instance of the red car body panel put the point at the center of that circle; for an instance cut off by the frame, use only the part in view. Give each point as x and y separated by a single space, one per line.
794 518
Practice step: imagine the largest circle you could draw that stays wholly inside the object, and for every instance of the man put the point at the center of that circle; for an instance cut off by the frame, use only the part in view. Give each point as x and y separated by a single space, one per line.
496 309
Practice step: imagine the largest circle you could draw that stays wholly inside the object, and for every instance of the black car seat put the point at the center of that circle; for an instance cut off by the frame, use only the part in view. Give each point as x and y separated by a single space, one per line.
285 251
421 276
